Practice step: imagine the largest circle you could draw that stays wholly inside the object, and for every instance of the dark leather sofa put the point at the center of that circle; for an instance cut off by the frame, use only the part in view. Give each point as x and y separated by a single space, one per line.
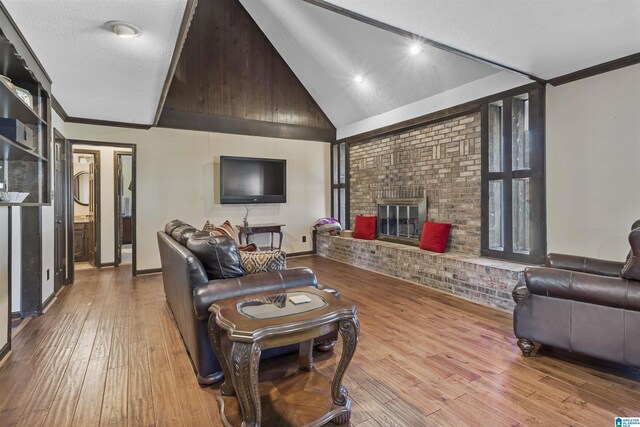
584 305
190 293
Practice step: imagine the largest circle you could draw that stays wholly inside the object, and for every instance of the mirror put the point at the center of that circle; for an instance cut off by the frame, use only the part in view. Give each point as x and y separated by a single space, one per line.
81 188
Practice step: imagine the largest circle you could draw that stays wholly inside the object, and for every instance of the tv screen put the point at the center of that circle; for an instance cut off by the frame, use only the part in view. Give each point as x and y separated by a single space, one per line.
251 180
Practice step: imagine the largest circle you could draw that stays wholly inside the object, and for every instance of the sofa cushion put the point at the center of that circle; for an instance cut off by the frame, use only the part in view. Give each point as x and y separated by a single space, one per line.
171 225
435 236
258 262
365 227
218 254
182 233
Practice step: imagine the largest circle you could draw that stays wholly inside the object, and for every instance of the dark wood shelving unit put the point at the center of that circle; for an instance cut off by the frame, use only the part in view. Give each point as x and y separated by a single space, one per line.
22 169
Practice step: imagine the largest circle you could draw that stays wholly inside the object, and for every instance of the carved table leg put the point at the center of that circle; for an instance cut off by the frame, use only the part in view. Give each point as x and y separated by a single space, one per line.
306 355
245 359
526 346
215 334
349 330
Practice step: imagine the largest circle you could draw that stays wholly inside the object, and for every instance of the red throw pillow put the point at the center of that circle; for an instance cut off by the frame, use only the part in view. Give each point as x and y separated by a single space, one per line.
365 227
434 236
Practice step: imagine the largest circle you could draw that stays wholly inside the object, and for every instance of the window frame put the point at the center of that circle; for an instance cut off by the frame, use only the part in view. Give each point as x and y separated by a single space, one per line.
337 185
535 173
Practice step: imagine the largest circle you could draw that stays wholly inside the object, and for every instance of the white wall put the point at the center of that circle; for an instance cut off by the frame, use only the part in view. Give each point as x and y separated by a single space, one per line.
593 159
4 275
16 259
176 179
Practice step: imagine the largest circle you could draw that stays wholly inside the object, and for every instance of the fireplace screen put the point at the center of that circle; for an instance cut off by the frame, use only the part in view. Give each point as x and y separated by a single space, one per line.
401 220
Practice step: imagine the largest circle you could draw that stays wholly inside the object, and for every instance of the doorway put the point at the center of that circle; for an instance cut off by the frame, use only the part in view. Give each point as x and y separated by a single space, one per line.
123 185
86 208
104 207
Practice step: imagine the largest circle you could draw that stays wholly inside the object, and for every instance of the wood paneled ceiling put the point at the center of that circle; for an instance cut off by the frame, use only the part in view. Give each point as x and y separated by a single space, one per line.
231 79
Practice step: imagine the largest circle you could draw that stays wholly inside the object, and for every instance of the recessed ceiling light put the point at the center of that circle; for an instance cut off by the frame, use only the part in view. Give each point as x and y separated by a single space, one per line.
415 48
358 78
123 29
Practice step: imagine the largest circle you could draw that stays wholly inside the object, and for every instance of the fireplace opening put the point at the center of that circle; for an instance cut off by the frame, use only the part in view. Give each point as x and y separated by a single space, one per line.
401 216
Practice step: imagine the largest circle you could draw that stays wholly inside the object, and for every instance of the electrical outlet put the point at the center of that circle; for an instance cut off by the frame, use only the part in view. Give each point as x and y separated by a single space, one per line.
304 239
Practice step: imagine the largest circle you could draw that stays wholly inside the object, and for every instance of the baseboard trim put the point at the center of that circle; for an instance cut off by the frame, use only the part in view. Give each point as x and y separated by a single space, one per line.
149 271
297 254
16 315
5 353
107 264
48 301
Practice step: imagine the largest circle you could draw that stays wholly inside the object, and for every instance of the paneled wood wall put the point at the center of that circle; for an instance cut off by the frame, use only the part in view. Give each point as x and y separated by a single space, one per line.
229 68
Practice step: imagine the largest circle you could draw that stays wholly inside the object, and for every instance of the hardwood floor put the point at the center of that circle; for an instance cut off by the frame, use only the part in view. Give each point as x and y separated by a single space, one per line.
107 352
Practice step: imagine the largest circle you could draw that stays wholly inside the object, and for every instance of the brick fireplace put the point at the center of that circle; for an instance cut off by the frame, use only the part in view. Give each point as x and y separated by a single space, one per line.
442 158
430 172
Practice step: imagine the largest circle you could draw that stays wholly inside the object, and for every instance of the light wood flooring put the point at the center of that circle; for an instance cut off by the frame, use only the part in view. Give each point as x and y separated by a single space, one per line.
107 352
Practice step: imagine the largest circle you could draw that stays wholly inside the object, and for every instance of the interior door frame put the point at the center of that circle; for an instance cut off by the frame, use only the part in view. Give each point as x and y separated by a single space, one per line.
133 153
117 203
97 205
61 195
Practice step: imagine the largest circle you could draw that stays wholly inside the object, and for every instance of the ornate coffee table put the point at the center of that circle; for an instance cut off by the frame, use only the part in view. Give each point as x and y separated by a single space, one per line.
270 319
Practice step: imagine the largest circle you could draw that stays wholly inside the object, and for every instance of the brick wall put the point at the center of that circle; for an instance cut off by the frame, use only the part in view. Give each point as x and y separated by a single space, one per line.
443 158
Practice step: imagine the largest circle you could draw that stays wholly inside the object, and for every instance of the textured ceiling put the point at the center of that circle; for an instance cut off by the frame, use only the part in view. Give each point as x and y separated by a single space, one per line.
326 50
546 38
95 74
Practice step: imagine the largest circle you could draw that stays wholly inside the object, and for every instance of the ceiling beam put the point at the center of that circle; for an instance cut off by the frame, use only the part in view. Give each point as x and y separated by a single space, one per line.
408 34
189 10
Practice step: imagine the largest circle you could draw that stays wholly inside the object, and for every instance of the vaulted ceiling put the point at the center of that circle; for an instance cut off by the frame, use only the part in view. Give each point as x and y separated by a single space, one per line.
97 76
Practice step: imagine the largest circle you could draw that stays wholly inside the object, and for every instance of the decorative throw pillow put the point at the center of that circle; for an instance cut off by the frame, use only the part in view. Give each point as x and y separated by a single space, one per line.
227 229
257 262
208 227
249 247
365 227
435 236
218 254
631 269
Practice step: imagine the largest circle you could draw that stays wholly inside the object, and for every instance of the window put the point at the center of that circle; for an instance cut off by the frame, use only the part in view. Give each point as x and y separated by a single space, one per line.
513 198
339 176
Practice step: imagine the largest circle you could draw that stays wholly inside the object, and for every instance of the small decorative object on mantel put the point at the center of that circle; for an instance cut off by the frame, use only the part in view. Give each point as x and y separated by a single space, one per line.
346 233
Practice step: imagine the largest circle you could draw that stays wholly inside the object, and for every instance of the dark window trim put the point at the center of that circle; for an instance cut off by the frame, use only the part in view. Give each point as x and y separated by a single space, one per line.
335 210
538 220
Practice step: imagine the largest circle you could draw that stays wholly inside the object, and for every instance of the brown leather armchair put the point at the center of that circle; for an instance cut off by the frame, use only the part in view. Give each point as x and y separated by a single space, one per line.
584 305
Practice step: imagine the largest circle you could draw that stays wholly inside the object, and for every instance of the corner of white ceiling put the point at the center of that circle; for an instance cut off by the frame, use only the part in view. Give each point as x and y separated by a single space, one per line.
495 83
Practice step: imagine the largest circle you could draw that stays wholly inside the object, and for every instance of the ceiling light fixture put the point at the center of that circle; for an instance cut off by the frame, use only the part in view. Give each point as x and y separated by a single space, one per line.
415 49
358 78
123 29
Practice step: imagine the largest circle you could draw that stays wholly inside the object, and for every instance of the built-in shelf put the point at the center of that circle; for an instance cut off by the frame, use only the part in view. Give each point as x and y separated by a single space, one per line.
10 150
14 107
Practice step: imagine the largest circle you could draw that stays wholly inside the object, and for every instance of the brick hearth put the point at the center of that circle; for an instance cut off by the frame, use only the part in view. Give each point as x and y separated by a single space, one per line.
482 280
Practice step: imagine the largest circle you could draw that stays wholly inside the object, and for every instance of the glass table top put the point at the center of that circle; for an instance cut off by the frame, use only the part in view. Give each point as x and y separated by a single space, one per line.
279 305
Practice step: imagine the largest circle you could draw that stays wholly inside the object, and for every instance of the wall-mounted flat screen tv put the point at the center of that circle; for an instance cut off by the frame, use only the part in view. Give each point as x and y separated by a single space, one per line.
252 180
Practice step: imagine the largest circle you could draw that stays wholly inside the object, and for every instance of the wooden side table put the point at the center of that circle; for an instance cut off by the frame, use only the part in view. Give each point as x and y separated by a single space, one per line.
265 320
251 229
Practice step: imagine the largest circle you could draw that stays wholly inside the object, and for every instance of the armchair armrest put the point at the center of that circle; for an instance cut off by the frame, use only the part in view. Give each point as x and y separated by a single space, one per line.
601 290
585 265
214 290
